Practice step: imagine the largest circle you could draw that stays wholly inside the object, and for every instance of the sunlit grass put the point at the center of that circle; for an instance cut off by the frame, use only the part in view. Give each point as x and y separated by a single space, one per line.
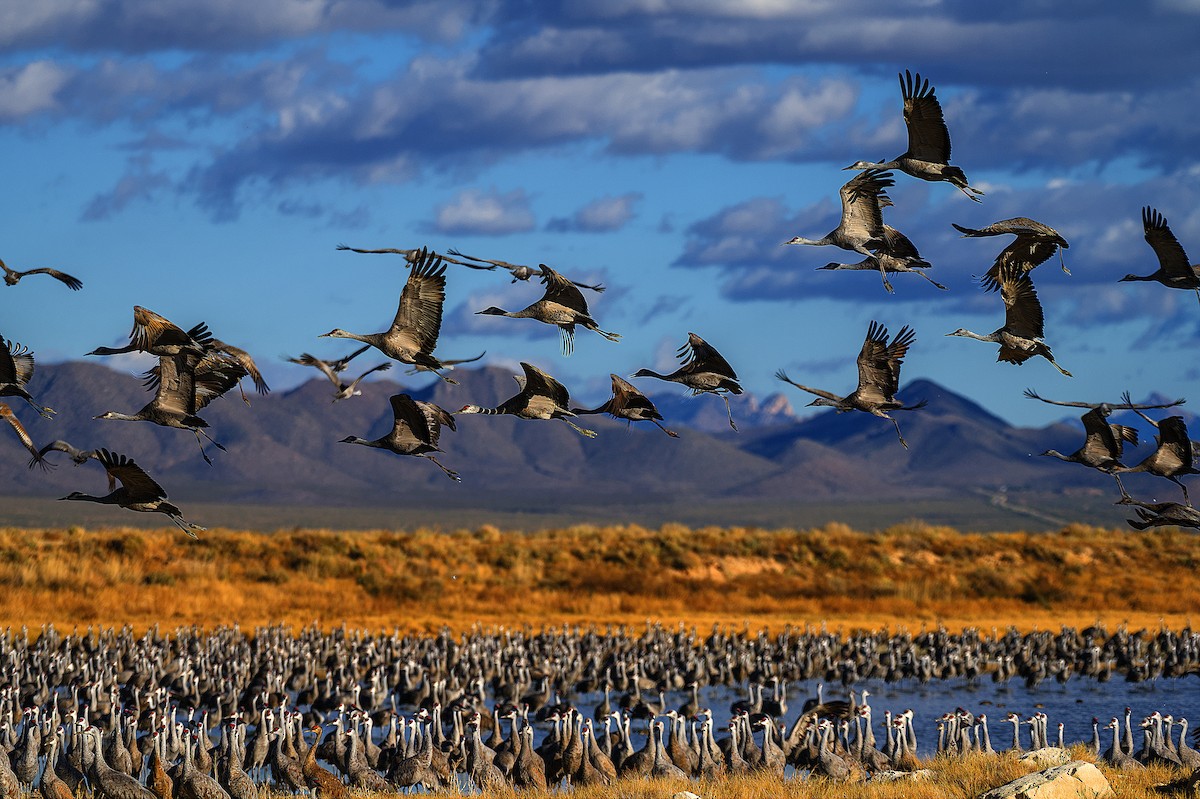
910 576
952 778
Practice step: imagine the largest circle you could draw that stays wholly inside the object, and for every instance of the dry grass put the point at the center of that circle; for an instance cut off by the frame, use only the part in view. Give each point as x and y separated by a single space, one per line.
953 778
911 576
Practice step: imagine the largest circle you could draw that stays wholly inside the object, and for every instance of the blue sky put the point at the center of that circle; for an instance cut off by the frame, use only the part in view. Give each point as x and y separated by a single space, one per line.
203 158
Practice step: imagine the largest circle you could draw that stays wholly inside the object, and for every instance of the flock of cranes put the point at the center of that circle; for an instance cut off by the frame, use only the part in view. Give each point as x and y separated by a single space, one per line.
132 717
195 368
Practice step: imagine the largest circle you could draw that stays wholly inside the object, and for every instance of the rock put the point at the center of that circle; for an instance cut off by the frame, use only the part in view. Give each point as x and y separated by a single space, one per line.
1046 756
897 776
1077 779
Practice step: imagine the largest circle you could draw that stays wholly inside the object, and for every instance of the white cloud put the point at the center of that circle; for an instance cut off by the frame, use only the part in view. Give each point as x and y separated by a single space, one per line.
479 212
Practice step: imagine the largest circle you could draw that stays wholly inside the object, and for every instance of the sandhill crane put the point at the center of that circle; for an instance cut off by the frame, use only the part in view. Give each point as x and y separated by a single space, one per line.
79 456
138 491
928 153
630 404
1137 409
1172 457
175 400
1161 514
703 370
16 369
1105 442
416 428
1021 336
157 335
242 359
541 397
520 271
342 390
13 277
414 255
1103 445
561 305
878 377
1034 244
1174 271
15 423
337 367
414 331
896 254
861 227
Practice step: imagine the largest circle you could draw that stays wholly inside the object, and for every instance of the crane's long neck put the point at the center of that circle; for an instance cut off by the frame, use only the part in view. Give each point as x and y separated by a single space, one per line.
120 417
113 350
484 411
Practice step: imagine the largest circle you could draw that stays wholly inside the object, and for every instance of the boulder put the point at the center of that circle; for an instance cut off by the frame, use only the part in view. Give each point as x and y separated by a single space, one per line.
1077 779
897 776
1046 756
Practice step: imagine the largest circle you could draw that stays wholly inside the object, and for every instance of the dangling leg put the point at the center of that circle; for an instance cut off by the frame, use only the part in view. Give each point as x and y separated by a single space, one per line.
583 431
1056 366
1125 498
187 526
729 411
200 444
921 272
671 433
1179 483
453 475
1062 262
897 424
883 274
45 412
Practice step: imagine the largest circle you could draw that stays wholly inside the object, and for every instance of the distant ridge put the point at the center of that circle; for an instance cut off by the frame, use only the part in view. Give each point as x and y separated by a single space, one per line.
284 450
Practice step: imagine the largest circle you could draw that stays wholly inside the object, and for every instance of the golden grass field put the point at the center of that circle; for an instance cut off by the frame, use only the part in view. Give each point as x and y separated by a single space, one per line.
908 576
905 576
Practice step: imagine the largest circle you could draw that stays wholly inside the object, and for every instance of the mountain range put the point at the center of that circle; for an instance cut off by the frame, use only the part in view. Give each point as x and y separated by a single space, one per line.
963 464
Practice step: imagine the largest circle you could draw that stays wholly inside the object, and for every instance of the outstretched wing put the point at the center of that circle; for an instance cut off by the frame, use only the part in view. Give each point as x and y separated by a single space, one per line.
928 136
1022 309
1171 257
307 359
539 383
879 362
698 355
150 329
15 423
243 359
420 311
410 420
562 291
73 283
16 363
138 485
864 197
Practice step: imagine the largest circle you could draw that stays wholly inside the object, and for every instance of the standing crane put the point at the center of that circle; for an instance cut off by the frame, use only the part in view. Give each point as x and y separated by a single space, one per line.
1174 271
562 305
413 334
629 404
1021 336
541 397
702 370
416 428
138 491
928 153
878 377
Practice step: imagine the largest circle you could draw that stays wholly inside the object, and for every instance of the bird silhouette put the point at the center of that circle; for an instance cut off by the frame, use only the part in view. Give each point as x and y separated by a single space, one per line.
12 277
702 370
416 429
928 153
138 491
878 377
